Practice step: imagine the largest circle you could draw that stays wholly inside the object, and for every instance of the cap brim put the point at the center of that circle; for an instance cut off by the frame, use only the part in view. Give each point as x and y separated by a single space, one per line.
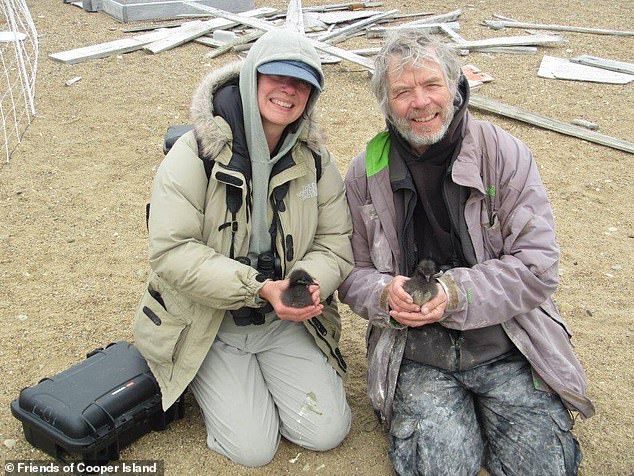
279 68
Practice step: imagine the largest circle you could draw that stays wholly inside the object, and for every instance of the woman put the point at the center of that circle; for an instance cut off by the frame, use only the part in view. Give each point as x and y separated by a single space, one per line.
240 202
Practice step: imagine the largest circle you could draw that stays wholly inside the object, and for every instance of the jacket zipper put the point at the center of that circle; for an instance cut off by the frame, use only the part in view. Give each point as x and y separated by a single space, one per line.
337 356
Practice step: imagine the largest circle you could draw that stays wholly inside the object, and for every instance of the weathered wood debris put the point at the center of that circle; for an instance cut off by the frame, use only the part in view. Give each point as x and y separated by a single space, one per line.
330 25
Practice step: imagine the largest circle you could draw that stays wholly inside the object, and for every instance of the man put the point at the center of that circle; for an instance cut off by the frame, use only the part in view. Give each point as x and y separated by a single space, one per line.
482 374
240 205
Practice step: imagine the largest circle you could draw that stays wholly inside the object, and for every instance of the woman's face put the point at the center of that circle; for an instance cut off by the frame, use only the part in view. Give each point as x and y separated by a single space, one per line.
281 100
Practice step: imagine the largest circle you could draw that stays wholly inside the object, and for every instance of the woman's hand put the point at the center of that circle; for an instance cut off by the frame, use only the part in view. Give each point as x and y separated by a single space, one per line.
272 292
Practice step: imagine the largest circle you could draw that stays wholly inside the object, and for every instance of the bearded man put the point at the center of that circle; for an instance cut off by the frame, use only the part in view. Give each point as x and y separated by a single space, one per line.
483 374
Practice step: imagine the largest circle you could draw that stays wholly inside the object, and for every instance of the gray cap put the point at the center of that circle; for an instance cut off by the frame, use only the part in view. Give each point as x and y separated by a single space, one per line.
293 69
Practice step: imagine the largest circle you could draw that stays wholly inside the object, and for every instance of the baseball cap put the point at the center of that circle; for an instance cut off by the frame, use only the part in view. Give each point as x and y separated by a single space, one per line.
293 69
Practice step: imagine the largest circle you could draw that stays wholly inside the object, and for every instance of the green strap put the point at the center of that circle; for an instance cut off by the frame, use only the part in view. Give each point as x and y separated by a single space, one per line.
377 153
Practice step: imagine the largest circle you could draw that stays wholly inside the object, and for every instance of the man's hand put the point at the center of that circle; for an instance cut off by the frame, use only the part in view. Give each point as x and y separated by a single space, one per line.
403 309
272 292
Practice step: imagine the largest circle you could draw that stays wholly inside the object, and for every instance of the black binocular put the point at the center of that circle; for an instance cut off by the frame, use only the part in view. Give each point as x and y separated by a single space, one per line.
268 267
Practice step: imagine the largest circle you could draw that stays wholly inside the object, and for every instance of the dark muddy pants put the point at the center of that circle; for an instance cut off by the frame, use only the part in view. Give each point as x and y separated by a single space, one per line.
454 423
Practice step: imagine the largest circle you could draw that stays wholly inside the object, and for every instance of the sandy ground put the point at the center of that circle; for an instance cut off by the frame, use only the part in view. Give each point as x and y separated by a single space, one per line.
73 238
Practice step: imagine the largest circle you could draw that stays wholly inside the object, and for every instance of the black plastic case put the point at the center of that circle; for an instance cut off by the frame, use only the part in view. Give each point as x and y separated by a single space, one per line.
95 408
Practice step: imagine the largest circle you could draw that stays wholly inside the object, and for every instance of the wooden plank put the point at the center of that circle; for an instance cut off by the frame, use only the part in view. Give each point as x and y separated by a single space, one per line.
380 31
347 31
451 33
502 49
611 65
103 50
335 17
442 18
294 16
241 40
552 67
343 6
514 50
140 28
187 33
500 24
525 40
207 41
11 36
490 105
266 26
178 36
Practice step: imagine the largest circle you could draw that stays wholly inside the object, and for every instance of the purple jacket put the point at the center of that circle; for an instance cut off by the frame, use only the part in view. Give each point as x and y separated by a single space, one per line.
511 226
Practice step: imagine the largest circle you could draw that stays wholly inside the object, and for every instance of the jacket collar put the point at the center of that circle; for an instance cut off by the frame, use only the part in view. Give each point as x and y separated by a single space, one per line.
466 169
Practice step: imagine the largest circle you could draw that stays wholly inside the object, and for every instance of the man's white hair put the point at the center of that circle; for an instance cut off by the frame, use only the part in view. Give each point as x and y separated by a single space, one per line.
412 47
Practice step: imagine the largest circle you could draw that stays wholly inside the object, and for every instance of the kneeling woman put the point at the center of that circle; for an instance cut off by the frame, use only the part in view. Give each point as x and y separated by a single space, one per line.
247 197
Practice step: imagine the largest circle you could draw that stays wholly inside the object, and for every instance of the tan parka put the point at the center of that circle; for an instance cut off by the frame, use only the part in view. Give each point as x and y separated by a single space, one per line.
193 282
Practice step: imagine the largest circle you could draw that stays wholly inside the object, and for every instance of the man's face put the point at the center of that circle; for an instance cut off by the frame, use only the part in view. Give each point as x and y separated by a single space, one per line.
281 100
420 103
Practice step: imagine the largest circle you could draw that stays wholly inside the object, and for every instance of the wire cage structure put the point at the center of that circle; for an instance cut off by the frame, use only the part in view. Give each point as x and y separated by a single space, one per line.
18 70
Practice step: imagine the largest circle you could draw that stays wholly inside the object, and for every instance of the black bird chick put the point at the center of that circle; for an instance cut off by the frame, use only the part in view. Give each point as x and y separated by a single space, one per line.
422 285
297 295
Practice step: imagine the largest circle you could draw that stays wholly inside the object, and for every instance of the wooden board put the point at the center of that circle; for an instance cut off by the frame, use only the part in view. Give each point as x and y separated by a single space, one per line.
605 63
489 105
552 67
103 50
526 40
135 10
187 33
500 24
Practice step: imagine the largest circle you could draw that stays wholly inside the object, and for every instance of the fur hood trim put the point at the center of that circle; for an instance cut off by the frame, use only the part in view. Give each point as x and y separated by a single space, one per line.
211 137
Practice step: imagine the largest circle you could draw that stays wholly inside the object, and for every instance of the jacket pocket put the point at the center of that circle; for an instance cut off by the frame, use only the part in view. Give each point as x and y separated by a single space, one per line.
492 233
158 333
380 251
550 310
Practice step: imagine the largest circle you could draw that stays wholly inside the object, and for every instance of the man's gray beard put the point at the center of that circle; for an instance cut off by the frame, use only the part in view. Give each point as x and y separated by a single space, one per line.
403 128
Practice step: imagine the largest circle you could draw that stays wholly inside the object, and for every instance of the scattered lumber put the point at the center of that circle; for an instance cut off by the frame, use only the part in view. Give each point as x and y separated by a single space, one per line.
612 65
126 45
346 32
453 34
552 67
432 23
266 26
489 105
500 24
241 40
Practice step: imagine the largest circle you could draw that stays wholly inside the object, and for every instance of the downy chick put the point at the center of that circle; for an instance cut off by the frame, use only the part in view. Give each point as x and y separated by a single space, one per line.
422 285
297 295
